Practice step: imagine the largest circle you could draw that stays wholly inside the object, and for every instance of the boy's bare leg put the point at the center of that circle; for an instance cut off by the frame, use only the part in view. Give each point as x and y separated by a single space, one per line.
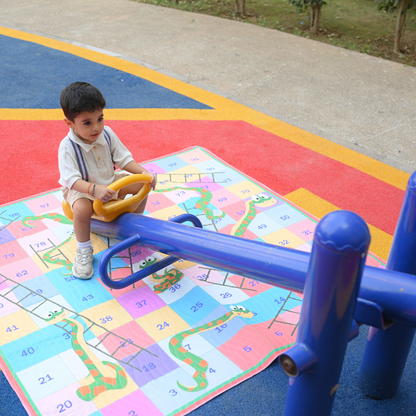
134 189
83 264
141 207
82 210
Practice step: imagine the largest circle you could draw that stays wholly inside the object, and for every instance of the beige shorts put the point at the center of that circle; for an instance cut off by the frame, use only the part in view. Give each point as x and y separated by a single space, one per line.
71 196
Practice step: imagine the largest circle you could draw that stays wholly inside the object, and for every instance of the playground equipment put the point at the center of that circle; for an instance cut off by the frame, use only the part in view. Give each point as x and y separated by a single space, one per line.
339 291
114 208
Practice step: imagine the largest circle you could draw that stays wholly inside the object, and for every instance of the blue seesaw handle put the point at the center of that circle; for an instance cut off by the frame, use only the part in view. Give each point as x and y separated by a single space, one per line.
140 274
187 217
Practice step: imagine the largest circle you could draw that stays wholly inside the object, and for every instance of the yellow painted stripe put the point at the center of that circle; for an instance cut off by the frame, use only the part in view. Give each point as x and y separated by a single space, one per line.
118 114
225 110
380 240
372 167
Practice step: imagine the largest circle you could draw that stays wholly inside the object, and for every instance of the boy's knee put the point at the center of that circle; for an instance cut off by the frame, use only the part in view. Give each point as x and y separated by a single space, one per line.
82 208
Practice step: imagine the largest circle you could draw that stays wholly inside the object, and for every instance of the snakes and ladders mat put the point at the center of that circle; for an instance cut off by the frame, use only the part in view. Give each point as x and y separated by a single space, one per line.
166 344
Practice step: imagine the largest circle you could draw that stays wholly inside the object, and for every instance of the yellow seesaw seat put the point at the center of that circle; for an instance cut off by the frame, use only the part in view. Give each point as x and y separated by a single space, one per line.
112 209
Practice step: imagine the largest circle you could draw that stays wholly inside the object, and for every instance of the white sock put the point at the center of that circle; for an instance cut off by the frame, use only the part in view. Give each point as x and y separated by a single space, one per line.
87 244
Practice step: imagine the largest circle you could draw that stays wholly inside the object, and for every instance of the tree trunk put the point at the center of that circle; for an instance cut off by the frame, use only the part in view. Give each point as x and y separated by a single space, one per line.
240 7
400 25
316 17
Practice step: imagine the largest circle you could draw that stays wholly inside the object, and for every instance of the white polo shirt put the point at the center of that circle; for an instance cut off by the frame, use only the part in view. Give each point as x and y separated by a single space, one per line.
97 159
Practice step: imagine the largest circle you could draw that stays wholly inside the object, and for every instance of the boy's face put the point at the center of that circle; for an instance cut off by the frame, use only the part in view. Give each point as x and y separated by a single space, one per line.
87 125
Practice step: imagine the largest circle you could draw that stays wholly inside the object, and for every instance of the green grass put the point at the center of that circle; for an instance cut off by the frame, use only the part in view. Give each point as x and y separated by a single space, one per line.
351 24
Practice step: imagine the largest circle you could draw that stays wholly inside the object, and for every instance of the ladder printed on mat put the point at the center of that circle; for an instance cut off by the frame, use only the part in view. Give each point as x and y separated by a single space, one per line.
282 309
186 176
205 278
93 324
49 249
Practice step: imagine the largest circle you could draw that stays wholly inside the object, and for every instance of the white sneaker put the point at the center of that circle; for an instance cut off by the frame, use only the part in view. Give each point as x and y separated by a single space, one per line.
82 268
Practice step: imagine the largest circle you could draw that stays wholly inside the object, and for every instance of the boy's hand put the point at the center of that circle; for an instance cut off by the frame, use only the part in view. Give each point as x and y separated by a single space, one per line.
153 181
103 193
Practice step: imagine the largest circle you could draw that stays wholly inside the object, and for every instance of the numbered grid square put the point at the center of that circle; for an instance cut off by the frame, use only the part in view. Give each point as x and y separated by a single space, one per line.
46 378
19 230
43 204
135 404
195 157
65 400
5 235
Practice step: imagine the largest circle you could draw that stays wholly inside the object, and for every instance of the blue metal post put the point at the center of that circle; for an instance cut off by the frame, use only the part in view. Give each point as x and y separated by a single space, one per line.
386 352
333 281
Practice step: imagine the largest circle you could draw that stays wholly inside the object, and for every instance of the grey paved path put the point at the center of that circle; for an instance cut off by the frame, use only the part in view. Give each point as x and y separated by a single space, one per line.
362 102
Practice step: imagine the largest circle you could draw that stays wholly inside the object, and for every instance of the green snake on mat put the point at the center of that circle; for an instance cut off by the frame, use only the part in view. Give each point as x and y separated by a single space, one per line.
262 200
197 363
48 255
176 342
202 202
103 375
169 277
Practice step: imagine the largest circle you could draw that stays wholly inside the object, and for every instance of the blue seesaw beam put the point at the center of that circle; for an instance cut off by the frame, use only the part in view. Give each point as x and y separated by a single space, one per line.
384 296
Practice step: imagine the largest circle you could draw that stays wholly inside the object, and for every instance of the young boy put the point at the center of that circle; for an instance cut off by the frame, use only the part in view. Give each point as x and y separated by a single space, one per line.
86 158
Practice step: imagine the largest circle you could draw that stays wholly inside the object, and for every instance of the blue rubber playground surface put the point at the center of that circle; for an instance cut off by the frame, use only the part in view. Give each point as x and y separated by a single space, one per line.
159 116
125 90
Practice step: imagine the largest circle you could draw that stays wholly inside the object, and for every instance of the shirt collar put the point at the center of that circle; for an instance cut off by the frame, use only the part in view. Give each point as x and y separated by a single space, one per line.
86 146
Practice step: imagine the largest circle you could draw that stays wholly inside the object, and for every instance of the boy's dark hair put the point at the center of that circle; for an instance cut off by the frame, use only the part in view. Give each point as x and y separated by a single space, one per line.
81 96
